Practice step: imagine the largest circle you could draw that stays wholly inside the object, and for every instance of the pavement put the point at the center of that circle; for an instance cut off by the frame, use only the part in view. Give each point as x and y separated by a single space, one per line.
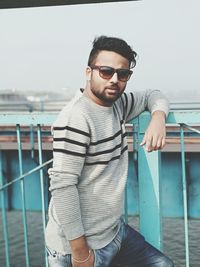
173 240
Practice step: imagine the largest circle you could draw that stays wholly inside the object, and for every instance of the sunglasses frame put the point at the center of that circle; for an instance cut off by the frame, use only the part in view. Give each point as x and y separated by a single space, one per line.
93 67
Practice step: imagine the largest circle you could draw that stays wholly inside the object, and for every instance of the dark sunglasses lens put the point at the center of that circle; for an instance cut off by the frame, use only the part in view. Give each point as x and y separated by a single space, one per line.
124 75
106 72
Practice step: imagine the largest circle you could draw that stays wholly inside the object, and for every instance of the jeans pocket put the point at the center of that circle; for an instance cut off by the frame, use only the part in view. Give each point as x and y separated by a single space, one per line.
97 258
58 260
104 256
51 253
117 243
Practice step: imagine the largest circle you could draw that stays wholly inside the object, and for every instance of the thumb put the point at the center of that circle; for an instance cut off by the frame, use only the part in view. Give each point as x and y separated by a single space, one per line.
143 141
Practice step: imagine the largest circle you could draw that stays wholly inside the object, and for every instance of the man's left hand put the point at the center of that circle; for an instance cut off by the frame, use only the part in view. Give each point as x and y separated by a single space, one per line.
154 138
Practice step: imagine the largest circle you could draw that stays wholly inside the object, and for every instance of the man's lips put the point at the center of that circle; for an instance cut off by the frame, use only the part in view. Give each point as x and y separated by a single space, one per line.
112 92
114 89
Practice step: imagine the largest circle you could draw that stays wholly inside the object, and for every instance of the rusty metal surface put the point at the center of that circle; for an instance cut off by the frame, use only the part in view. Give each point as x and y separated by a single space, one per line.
9 141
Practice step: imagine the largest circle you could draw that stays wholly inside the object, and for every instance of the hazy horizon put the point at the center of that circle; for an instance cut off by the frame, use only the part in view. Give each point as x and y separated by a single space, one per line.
47 48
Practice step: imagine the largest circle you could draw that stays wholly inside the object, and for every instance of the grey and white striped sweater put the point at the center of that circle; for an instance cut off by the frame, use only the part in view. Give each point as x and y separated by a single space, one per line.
90 163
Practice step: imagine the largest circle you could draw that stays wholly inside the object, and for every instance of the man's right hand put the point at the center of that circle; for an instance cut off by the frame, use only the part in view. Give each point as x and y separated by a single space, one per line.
89 263
80 252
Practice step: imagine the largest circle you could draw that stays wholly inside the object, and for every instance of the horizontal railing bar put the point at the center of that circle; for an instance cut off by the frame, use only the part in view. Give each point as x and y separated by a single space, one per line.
190 128
177 117
27 173
183 116
28 118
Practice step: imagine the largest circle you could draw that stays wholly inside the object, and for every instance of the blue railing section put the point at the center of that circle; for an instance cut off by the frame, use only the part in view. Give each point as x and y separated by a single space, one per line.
149 178
149 165
28 120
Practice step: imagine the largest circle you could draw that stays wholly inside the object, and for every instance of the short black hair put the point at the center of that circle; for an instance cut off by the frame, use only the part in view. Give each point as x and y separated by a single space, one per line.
114 44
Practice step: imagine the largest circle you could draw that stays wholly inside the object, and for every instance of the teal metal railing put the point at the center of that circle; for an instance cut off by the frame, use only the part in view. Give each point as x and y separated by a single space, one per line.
185 205
149 178
149 165
26 120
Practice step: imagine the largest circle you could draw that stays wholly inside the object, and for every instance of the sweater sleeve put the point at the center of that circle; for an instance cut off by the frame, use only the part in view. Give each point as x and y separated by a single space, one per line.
135 103
70 144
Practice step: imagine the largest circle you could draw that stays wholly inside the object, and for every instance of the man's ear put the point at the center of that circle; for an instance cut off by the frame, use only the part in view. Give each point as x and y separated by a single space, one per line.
88 73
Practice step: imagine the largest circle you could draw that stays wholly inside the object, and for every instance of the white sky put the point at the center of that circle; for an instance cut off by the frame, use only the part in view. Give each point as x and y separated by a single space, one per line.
47 48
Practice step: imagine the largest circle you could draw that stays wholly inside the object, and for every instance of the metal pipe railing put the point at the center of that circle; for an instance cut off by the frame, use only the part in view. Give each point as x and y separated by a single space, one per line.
42 187
4 217
150 215
185 196
185 206
23 195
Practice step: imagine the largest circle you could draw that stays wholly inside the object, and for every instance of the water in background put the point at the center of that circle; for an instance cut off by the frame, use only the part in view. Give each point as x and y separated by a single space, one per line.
173 232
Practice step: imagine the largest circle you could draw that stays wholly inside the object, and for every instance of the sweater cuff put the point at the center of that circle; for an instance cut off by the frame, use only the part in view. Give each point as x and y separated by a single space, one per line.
161 107
73 230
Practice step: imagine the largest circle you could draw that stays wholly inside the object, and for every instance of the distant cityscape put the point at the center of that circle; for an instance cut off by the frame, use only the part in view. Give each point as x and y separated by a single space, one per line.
13 100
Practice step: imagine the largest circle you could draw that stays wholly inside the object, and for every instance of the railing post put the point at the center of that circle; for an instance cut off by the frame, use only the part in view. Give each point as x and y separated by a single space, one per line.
4 216
42 185
185 206
126 205
23 195
32 141
149 189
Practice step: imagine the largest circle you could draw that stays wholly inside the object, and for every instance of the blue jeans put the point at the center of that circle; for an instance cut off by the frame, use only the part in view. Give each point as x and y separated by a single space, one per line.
127 249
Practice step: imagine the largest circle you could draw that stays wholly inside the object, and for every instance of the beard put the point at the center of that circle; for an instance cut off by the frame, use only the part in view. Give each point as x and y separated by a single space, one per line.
109 95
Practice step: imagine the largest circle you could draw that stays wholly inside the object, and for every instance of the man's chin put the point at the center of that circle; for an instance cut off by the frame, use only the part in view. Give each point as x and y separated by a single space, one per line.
111 98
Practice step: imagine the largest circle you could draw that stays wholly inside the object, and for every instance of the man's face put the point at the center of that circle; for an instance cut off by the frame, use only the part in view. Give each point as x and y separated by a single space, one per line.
106 91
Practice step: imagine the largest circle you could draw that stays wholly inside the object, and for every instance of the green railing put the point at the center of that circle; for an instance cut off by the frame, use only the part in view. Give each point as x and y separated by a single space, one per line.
149 178
150 211
32 120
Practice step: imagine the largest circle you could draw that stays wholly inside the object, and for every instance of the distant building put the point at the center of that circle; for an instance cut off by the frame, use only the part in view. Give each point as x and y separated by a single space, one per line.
11 95
12 100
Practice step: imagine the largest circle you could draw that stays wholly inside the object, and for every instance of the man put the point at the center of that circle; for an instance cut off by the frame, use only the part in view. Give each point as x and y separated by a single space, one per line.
89 172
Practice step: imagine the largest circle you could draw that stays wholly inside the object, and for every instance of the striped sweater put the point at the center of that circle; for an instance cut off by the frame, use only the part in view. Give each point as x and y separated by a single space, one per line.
90 163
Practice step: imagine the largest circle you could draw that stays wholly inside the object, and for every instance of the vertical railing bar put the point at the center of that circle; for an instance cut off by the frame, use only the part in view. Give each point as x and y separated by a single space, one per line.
184 196
135 144
126 205
149 189
32 140
42 185
135 139
23 194
4 216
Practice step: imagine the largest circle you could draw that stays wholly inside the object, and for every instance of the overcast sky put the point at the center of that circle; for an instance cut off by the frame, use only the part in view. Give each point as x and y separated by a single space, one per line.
47 48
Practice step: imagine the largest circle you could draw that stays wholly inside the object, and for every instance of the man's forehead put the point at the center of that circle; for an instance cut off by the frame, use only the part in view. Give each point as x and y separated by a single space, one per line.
110 57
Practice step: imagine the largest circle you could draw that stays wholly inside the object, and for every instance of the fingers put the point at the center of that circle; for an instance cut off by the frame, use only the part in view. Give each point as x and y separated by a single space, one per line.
163 143
144 140
153 143
154 137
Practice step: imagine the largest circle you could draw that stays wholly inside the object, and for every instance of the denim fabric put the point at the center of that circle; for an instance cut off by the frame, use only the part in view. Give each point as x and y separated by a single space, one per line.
58 260
127 249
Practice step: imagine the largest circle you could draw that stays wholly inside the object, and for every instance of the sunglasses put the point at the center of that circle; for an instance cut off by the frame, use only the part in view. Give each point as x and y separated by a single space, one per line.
106 73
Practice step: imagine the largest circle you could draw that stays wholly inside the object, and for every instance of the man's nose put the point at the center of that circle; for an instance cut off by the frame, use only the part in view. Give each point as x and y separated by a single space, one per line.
114 78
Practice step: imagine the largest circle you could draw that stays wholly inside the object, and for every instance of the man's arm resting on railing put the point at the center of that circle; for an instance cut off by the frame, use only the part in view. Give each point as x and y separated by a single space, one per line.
155 134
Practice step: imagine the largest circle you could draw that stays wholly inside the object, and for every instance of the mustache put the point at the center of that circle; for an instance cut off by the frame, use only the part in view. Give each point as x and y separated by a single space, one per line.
113 87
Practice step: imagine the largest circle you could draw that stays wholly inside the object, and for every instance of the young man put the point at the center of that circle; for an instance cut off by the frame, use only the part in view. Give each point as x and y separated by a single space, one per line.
89 172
